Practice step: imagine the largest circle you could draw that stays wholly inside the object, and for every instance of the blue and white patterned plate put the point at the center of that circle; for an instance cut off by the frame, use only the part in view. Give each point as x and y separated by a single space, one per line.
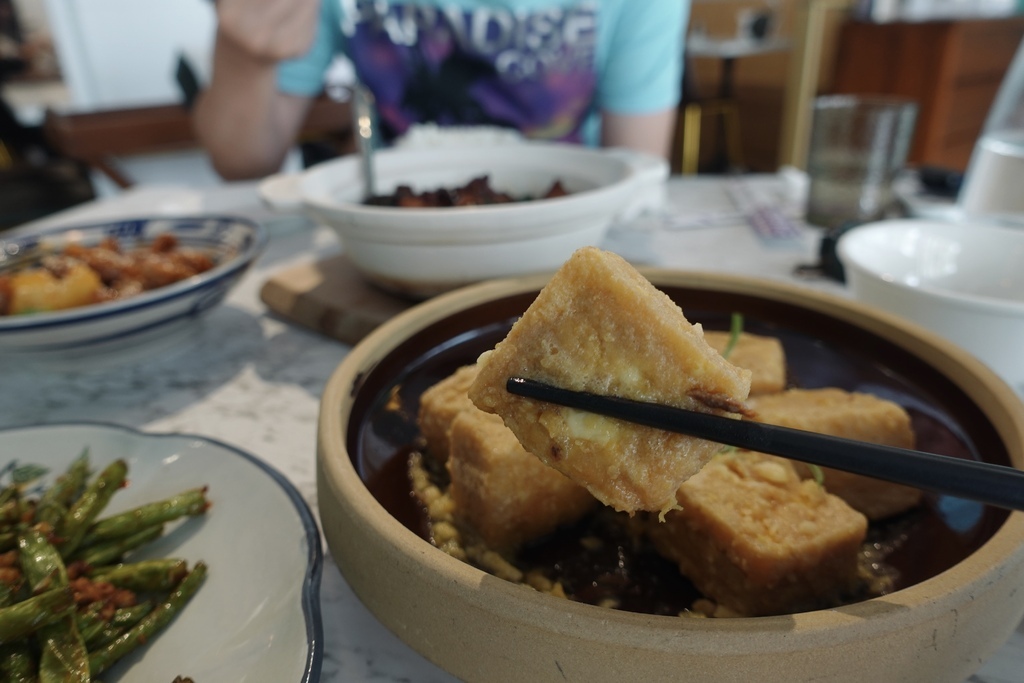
234 242
257 615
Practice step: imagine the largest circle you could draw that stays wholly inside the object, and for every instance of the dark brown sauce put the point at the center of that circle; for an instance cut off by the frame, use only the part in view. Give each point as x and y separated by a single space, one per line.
601 562
477 192
597 560
913 547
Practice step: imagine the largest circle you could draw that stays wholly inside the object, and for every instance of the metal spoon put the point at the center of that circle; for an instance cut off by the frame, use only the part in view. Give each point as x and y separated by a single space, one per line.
362 111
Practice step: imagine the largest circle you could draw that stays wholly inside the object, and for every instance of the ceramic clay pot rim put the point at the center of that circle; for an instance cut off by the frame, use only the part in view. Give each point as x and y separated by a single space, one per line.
916 604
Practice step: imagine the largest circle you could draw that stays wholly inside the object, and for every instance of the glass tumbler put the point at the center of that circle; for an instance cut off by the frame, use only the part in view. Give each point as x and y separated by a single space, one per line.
858 145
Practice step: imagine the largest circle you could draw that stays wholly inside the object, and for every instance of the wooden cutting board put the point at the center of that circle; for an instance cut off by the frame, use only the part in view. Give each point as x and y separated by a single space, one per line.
330 297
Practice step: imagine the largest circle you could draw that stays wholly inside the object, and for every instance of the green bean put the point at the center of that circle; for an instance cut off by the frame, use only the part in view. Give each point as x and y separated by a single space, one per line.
104 636
102 659
18 663
56 500
129 616
93 633
44 638
123 619
21 619
146 576
11 595
89 505
188 503
63 657
9 492
10 512
90 620
40 562
113 551
8 540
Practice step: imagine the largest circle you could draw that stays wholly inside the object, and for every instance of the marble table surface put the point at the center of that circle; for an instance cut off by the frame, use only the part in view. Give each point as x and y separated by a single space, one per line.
254 381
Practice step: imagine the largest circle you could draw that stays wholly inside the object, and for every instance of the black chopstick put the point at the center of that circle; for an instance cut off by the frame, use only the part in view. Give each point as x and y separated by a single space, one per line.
983 482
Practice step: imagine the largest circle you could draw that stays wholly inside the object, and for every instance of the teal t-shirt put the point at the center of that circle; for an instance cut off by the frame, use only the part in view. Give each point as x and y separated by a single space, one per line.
543 67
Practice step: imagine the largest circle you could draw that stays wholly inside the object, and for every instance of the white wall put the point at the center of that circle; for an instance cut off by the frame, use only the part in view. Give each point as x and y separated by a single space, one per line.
124 53
31 15
120 53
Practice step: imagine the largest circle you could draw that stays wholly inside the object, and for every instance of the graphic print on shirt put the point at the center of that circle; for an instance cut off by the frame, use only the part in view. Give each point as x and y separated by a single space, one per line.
529 70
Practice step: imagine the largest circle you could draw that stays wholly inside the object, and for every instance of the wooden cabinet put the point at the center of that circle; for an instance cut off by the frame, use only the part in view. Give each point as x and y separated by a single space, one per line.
952 68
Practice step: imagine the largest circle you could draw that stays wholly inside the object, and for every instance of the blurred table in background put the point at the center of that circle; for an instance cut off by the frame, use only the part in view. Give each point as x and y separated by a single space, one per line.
254 381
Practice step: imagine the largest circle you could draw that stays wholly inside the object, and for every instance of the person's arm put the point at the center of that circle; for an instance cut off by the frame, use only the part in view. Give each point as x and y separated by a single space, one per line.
651 133
640 77
241 119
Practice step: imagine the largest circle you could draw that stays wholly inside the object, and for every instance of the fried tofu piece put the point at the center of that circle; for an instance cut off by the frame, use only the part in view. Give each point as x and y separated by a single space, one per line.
850 415
756 538
439 405
599 326
763 356
504 494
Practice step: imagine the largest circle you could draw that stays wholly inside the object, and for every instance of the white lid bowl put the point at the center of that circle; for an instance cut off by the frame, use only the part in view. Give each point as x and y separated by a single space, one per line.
422 252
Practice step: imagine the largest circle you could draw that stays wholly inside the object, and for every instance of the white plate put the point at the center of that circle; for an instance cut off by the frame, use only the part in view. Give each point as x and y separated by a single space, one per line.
420 252
257 615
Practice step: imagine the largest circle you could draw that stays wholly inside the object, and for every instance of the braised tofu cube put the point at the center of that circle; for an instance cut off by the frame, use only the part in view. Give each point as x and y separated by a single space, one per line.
763 356
502 493
599 326
756 538
849 415
439 405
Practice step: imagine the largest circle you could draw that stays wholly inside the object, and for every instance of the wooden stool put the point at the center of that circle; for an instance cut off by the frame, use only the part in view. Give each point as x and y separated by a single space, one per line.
723 105
690 124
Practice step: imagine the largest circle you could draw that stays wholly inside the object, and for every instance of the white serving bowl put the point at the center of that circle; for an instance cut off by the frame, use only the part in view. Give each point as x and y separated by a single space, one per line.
233 242
422 252
964 280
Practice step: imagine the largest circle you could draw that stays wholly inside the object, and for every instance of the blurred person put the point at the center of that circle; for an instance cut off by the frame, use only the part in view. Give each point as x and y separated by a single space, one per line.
596 72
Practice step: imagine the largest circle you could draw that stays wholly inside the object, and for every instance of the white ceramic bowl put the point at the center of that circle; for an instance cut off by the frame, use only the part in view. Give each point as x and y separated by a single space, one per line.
938 627
964 280
421 252
234 242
